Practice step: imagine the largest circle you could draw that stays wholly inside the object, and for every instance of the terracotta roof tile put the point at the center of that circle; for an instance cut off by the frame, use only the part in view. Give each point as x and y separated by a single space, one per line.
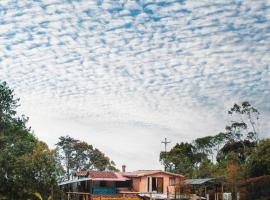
103 174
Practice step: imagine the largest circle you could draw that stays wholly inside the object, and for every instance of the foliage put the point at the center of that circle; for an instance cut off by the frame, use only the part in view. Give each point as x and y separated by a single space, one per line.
79 155
26 164
234 176
38 195
182 158
8 104
216 155
66 151
259 163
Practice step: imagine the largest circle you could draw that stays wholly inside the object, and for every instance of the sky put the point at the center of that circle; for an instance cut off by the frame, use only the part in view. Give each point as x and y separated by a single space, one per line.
123 75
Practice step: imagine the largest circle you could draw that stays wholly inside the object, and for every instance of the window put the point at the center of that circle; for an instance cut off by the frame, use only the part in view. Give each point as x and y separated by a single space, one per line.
102 183
172 181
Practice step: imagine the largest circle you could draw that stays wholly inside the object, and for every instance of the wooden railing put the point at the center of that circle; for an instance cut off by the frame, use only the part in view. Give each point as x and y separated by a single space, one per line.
78 195
88 196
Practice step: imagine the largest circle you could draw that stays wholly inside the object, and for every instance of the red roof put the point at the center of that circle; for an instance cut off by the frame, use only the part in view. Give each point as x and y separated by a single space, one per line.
101 175
98 174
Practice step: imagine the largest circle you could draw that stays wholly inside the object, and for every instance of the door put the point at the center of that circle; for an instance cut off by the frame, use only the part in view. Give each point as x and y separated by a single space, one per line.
160 185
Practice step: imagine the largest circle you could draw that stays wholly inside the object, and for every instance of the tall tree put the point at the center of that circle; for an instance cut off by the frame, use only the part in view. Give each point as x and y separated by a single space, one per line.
182 158
79 155
82 156
241 134
204 146
66 147
8 103
245 122
21 168
41 169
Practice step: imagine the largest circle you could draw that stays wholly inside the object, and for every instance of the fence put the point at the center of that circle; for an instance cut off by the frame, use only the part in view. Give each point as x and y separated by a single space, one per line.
88 196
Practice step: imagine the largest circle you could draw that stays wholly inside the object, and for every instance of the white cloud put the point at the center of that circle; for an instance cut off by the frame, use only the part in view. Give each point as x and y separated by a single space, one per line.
132 73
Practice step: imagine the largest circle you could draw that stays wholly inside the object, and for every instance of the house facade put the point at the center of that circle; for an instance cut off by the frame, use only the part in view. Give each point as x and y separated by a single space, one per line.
156 181
97 183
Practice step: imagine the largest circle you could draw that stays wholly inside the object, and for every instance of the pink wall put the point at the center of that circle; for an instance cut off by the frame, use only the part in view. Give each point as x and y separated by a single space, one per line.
136 183
140 184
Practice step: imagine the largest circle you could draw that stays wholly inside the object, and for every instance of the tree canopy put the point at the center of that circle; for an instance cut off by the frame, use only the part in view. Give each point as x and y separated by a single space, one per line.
27 165
211 155
79 155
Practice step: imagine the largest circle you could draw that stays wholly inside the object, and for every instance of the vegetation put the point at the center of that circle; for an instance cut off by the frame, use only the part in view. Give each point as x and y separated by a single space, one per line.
29 168
27 165
78 155
235 154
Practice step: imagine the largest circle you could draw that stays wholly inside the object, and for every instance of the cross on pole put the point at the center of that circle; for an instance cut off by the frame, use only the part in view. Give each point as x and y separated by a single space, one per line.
165 142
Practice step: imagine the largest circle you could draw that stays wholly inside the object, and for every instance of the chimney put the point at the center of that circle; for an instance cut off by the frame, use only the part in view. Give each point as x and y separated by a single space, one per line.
123 168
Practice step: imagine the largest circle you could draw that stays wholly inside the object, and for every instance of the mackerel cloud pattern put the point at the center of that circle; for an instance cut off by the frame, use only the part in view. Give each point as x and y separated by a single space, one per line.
171 65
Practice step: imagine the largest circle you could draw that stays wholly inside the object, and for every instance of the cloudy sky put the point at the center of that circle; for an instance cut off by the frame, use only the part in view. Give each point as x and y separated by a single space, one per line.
124 74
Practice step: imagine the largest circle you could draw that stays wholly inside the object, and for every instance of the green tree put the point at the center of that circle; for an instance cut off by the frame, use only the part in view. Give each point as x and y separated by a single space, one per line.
40 169
244 122
82 156
198 159
241 134
22 170
8 104
204 146
66 148
101 162
79 155
259 163
182 158
205 170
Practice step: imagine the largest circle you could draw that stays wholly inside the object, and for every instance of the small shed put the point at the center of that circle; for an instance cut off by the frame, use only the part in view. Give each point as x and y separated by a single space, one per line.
210 188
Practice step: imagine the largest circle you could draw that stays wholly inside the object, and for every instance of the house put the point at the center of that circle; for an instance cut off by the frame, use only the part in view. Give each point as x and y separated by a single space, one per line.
97 183
156 181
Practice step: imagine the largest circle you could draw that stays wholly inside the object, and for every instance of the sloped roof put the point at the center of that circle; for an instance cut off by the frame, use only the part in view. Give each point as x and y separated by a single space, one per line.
197 181
73 181
140 173
203 181
101 175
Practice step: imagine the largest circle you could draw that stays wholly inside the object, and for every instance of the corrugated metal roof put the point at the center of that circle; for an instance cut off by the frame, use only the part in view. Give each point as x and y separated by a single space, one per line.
74 181
198 181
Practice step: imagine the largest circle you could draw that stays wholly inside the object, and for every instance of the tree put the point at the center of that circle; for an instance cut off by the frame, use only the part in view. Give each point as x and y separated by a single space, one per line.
204 145
8 104
101 162
240 136
259 163
234 176
16 141
26 164
66 146
82 156
205 170
79 155
246 125
235 144
182 158
41 171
